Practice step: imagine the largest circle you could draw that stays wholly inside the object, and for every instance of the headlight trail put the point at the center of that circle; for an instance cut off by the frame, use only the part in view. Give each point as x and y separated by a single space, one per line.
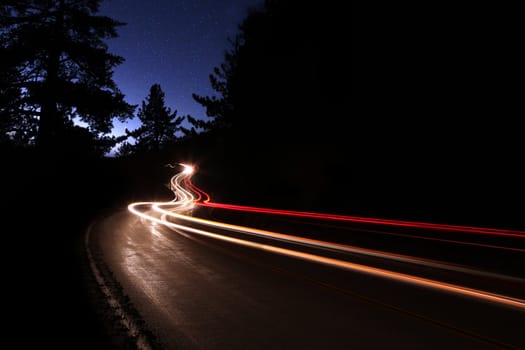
317 243
185 200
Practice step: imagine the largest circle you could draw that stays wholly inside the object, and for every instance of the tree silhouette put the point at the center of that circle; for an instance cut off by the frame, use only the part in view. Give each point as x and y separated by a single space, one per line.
61 68
283 72
221 109
196 124
13 129
159 125
282 99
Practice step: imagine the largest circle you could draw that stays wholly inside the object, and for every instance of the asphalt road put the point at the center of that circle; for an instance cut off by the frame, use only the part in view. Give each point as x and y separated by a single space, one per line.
199 293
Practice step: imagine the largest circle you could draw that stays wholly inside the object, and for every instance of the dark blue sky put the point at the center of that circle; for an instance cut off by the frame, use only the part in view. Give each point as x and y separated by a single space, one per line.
175 43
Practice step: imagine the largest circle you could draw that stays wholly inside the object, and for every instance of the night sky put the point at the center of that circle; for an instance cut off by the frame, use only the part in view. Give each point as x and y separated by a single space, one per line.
175 43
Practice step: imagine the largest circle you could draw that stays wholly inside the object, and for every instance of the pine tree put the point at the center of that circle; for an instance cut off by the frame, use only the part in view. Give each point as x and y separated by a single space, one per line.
159 125
282 72
63 68
221 109
13 129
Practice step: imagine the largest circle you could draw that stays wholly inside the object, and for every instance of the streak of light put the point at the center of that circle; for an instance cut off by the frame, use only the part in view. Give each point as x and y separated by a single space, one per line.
317 243
413 224
184 201
367 220
397 276
474 244
435 239
454 228
201 195
358 219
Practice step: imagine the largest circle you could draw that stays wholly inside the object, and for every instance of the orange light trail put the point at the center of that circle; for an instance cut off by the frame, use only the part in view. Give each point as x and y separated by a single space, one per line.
442 286
185 200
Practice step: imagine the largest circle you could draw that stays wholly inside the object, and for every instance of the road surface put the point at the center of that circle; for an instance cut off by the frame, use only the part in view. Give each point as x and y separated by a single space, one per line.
198 293
200 285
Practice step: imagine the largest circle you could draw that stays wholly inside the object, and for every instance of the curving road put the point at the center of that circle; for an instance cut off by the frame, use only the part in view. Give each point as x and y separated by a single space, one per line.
203 284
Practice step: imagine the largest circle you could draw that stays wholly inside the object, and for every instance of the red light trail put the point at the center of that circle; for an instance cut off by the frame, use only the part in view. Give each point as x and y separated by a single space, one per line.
366 220
206 202
185 200
203 200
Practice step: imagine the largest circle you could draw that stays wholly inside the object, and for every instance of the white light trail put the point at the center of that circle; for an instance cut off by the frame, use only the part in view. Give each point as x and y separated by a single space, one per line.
184 201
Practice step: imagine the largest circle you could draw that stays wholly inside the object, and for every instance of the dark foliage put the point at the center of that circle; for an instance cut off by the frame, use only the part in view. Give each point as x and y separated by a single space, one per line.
158 125
277 79
378 110
55 69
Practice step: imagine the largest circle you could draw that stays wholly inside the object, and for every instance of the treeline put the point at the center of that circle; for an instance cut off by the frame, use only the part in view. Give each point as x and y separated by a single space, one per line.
388 110
56 74
57 71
